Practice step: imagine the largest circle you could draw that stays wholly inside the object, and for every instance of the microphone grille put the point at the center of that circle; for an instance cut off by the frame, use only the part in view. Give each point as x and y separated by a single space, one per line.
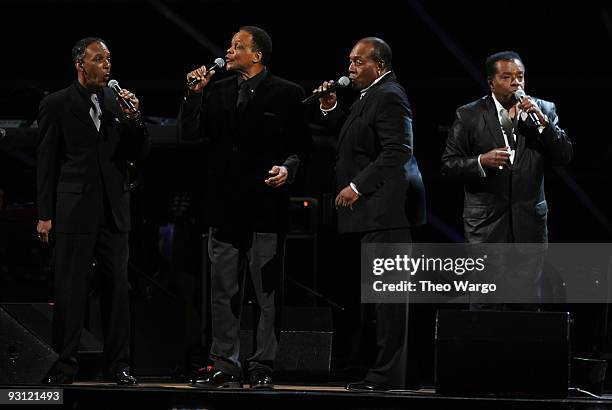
219 62
343 81
113 84
519 94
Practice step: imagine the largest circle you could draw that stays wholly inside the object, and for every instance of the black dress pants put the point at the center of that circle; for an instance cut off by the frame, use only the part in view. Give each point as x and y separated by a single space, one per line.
74 253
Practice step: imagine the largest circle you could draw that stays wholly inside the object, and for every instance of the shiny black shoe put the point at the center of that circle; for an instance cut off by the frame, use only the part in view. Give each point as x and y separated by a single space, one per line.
211 378
261 379
124 378
57 377
363 386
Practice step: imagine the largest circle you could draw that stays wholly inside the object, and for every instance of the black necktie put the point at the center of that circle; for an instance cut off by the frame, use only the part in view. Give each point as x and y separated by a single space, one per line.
243 97
508 128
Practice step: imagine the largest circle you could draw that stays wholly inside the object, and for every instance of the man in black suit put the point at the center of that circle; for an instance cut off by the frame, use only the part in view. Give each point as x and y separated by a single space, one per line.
498 147
381 193
86 141
253 126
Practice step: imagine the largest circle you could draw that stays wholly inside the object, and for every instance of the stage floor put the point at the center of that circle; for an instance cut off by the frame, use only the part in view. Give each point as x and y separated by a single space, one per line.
165 395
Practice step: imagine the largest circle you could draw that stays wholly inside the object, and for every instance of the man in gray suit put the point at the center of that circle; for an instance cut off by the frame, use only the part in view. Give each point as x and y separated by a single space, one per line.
498 147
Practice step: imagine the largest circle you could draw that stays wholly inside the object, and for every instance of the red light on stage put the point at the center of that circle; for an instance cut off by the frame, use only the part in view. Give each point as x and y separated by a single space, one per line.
306 204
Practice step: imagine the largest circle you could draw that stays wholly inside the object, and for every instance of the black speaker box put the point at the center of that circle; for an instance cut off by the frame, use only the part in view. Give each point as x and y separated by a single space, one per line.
37 320
24 358
305 343
502 353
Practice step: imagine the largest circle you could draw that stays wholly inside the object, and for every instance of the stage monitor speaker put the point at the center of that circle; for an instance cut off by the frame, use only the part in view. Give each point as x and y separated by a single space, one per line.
304 348
37 318
502 353
24 358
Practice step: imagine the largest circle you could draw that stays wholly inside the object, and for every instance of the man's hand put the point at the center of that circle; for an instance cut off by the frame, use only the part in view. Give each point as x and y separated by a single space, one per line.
43 228
347 197
496 158
327 101
132 98
203 77
278 176
528 105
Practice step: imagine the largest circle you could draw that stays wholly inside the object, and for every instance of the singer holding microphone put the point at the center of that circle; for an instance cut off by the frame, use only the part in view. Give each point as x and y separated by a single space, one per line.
380 191
253 126
498 147
87 135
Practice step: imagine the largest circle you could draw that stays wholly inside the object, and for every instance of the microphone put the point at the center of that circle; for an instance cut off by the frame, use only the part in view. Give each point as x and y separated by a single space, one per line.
114 85
219 63
520 95
341 83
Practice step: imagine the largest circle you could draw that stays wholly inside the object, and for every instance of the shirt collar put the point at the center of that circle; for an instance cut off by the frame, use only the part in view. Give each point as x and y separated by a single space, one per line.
499 107
254 81
86 94
365 90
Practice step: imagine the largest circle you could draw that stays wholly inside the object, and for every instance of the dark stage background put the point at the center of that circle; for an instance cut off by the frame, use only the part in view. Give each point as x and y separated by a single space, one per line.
439 51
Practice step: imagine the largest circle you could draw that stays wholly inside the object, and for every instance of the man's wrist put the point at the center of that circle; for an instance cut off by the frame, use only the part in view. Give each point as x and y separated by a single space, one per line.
325 111
191 94
483 173
543 124
133 115
135 119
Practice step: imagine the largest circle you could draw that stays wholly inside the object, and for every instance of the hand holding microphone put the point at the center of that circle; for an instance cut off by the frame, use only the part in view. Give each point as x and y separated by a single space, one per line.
129 102
530 107
326 92
199 78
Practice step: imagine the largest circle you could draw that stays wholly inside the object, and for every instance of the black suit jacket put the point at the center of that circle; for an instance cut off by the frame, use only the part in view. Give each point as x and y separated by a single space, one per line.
76 162
505 205
375 152
241 149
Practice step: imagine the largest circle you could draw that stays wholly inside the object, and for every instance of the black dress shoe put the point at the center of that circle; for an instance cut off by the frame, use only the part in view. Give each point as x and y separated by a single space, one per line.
363 386
198 375
124 378
261 379
211 378
57 378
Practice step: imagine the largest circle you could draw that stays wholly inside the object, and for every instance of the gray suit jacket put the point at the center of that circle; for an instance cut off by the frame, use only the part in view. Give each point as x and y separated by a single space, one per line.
505 205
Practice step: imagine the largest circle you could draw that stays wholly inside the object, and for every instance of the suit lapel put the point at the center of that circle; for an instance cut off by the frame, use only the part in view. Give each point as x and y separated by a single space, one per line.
355 111
229 104
520 142
520 147
80 109
492 121
358 106
110 108
262 93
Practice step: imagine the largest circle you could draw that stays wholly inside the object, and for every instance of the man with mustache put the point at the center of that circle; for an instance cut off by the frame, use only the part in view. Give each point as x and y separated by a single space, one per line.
87 137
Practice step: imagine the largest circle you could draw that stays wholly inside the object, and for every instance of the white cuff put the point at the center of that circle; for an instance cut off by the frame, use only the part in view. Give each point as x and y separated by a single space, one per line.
326 111
482 171
544 124
354 188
